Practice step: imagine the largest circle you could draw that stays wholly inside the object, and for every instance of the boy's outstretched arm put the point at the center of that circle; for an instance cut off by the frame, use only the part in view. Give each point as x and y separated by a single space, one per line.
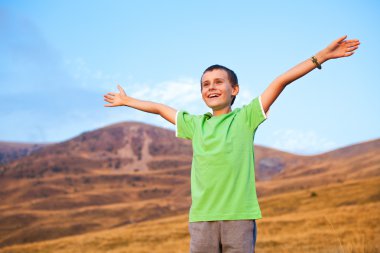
119 99
337 49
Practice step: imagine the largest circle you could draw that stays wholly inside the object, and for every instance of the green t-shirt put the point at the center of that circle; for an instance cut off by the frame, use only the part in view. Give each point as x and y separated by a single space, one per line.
222 172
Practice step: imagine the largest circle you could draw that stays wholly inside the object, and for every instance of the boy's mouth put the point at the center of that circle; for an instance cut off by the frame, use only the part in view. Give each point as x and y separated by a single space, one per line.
213 95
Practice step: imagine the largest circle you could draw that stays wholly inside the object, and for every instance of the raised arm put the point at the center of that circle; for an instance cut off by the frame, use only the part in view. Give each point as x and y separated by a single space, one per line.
120 99
337 49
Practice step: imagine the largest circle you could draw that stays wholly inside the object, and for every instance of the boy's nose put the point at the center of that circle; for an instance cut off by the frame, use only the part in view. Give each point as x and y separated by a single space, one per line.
211 87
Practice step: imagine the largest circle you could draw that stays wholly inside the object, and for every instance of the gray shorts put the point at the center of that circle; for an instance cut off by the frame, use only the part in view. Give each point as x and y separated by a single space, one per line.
225 236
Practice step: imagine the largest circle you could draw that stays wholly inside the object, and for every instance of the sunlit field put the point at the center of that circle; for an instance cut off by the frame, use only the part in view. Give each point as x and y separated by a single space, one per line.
340 218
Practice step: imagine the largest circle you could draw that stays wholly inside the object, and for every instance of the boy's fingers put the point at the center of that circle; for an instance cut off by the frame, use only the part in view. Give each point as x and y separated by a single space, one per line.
350 49
108 96
353 42
348 53
121 89
340 39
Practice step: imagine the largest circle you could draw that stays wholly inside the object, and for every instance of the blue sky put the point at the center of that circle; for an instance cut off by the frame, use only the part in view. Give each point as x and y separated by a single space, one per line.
58 58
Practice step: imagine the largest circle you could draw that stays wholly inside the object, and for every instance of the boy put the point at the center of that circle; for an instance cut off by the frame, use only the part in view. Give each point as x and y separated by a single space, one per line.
224 202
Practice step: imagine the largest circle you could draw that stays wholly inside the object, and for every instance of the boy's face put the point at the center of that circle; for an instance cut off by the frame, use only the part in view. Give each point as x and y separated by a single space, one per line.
217 82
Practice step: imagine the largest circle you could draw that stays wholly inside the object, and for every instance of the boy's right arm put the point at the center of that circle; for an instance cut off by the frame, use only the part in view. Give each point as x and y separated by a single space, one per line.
119 99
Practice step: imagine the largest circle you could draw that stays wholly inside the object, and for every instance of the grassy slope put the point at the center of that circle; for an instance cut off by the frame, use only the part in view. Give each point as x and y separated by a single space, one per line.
335 218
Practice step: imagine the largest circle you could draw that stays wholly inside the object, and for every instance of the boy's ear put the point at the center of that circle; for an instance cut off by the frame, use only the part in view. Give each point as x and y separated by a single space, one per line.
235 90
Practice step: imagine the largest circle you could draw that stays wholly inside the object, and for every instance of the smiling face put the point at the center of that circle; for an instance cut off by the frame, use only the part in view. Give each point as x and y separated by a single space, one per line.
217 90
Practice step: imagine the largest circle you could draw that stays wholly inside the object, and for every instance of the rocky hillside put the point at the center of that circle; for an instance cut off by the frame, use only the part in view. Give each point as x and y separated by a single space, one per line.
131 172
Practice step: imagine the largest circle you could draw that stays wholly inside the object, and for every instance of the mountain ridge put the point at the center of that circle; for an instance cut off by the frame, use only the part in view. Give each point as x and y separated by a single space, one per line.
127 173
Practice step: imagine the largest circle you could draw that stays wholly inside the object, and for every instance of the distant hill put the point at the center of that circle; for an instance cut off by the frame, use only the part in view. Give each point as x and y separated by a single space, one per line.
358 161
10 151
132 172
116 175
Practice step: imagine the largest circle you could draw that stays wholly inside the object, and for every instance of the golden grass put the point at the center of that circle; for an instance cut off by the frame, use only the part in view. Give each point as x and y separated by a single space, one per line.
340 218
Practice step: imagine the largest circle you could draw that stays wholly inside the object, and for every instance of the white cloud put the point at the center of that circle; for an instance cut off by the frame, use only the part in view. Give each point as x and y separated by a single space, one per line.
88 78
183 93
243 98
301 142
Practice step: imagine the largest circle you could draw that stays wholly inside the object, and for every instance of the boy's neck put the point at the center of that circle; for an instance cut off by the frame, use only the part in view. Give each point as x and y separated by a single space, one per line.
222 111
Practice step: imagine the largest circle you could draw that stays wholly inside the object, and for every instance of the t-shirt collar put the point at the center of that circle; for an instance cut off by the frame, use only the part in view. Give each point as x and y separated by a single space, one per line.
209 115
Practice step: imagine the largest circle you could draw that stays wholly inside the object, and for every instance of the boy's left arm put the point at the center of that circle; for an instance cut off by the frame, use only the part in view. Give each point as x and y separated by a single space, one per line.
337 49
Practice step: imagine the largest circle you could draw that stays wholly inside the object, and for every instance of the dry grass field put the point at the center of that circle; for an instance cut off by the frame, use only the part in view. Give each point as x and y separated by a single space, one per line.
126 188
337 218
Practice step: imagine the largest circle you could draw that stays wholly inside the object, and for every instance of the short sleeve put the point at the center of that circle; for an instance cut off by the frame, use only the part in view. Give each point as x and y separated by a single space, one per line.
254 113
185 125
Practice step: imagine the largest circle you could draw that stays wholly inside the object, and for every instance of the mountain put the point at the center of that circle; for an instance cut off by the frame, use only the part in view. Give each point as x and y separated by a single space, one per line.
357 161
10 151
132 172
120 174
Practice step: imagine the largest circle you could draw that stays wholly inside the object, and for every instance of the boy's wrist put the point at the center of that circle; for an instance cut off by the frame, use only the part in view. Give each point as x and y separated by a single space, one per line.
125 101
321 56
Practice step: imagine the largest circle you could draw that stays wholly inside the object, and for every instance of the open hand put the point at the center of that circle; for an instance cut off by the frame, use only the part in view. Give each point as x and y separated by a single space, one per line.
341 48
116 99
